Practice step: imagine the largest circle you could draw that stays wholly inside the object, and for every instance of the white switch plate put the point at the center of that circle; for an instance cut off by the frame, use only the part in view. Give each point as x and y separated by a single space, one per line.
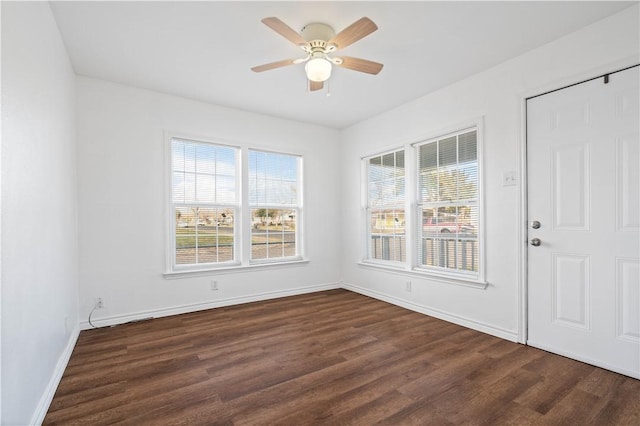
509 178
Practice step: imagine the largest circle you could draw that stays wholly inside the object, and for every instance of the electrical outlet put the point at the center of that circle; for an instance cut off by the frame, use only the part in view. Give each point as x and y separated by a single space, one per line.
407 286
99 303
214 285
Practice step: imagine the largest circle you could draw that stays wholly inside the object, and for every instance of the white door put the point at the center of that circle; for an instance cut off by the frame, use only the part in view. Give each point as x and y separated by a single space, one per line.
583 188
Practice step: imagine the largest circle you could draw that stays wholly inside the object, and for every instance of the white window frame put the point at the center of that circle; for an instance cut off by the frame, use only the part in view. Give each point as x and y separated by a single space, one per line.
236 207
368 257
471 276
242 219
298 208
412 266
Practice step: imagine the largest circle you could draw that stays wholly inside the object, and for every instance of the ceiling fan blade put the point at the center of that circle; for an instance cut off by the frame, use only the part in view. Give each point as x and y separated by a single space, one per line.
354 32
285 31
362 65
315 85
273 65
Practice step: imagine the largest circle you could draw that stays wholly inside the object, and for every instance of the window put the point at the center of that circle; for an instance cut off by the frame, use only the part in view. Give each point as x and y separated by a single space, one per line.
448 203
386 207
204 200
435 231
274 199
209 205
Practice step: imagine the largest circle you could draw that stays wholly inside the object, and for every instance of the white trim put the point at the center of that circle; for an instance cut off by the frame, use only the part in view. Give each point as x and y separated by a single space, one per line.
56 376
410 265
301 234
392 265
522 263
298 207
578 357
187 136
366 162
523 245
482 222
364 212
245 213
436 138
169 223
1 103
242 210
455 319
172 265
194 307
477 124
176 274
430 275
581 76
167 180
383 153
276 260
436 132
411 218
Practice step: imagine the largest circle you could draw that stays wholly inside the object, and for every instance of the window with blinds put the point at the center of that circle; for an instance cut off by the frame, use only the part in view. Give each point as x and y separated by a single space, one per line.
204 200
447 204
274 200
386 207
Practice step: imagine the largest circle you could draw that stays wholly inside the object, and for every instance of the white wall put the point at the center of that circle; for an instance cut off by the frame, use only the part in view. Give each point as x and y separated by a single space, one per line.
497 96
122 196
39 211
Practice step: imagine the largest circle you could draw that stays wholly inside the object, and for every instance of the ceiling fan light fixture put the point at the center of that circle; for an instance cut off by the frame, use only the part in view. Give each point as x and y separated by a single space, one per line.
318 69
319 40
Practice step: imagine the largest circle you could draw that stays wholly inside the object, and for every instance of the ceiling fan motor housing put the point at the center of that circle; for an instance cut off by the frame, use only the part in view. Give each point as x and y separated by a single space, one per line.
317 31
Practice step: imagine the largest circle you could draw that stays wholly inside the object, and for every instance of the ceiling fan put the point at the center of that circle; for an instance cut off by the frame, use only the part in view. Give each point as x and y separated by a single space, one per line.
318 41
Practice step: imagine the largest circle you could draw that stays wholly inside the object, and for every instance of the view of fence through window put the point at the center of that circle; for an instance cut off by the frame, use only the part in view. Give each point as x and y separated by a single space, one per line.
386 179
274 201
447 218
204 199
448 203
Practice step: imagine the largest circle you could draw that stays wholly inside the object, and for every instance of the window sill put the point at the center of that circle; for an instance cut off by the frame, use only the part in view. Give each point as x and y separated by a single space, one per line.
233 268
446 279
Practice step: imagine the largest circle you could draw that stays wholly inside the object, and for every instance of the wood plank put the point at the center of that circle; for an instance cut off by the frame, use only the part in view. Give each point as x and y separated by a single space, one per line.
333 357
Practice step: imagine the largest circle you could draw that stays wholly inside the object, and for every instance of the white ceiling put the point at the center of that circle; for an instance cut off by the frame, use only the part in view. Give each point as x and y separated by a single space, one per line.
204 50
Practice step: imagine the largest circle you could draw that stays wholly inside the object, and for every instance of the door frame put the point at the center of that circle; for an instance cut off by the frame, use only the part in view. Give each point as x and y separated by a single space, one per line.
523 242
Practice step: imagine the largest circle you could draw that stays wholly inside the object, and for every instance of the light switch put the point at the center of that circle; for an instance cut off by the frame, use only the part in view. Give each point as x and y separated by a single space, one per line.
509 178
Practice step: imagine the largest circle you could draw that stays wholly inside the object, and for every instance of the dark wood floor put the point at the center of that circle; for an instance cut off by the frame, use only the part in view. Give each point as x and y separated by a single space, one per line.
334 357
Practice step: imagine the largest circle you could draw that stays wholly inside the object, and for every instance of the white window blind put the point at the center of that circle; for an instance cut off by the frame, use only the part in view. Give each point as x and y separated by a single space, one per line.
275 202
386 207
204 198
448 184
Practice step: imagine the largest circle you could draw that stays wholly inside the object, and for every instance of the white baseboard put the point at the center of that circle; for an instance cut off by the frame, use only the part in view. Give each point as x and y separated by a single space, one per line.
456 319
587 360
52 386
194 307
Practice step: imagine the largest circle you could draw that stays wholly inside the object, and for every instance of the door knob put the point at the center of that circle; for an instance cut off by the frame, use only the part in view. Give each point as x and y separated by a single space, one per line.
535 242
535 224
